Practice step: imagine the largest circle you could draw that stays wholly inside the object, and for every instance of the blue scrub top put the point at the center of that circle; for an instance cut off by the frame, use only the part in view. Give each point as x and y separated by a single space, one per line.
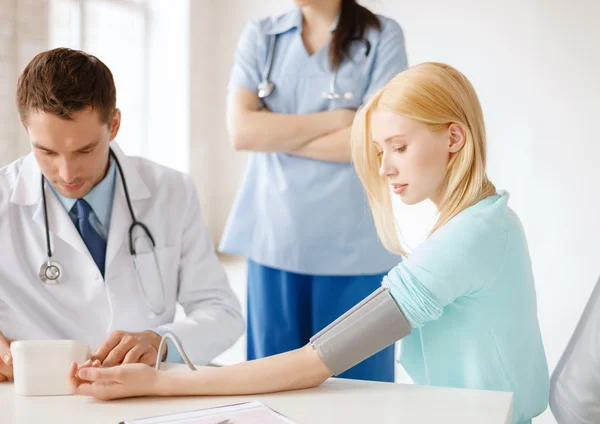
303 215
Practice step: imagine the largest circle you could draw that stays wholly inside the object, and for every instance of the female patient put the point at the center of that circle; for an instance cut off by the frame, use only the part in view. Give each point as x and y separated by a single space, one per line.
467 292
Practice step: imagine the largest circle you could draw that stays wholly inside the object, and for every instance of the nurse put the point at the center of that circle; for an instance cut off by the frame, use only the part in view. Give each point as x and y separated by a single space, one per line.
301 216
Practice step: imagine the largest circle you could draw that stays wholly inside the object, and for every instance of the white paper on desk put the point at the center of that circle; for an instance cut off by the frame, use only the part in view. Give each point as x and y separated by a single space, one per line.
243 413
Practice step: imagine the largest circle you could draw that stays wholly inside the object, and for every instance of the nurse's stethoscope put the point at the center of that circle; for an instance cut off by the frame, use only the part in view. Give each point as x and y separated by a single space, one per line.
266 86
50 271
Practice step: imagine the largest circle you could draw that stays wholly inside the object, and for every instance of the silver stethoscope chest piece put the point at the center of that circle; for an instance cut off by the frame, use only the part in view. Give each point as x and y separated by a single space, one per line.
49 272
265 88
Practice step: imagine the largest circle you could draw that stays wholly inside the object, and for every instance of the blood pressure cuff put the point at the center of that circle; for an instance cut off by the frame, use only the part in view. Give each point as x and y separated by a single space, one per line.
370 326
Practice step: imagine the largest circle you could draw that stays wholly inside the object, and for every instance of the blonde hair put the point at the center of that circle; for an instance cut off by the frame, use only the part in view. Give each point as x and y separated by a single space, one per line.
437 95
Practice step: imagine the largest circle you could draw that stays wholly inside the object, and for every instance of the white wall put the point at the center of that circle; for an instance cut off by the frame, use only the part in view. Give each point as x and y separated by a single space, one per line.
535 65
145 45
204 136
167 133
564 204
23 33
214 31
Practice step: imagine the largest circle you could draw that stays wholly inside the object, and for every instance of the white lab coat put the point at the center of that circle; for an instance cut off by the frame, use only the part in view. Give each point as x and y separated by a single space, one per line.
84 306
575 383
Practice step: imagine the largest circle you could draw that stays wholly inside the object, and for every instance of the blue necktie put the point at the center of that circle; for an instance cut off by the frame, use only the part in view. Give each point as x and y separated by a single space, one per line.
95 244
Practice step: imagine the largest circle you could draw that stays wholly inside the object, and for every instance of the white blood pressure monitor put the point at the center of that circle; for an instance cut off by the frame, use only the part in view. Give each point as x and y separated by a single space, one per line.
41 366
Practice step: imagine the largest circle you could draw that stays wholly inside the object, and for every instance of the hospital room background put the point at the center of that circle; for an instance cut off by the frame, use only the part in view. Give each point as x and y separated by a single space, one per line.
534 63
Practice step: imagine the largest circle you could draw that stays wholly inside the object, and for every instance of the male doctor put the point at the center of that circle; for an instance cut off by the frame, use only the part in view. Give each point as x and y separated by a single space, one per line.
67 104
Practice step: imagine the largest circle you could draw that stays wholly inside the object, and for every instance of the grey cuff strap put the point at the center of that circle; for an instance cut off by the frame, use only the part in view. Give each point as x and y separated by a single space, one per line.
370 326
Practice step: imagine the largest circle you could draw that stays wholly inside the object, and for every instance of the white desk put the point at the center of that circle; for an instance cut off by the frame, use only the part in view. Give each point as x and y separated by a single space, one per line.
336 401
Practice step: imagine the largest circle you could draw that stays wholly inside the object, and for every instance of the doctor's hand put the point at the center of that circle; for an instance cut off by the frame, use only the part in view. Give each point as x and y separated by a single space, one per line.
6 368
122 347
113 383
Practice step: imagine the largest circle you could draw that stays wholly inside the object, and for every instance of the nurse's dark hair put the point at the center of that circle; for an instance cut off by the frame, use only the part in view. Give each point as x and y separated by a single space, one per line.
353 22
63 81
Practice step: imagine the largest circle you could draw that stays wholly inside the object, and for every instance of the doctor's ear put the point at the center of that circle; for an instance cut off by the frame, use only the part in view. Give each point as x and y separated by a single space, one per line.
457 138
114 124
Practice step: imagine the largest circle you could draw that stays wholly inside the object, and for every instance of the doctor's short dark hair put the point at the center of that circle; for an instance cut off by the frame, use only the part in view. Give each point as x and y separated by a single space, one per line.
63 81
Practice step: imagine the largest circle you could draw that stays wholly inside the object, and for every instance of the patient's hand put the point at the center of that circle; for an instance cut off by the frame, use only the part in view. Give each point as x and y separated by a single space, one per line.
113 383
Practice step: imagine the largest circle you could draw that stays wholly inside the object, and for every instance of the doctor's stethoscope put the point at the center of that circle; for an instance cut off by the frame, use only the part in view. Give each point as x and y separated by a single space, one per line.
266 86
50 271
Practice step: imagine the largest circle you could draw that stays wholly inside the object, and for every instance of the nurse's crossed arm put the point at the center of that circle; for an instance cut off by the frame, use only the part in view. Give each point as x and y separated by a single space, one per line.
390 59
255 129
287 127
332 147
